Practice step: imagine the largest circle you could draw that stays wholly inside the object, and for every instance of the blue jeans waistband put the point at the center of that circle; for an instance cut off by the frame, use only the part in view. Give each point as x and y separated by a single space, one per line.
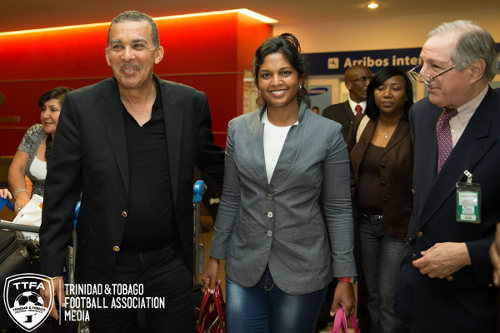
373 218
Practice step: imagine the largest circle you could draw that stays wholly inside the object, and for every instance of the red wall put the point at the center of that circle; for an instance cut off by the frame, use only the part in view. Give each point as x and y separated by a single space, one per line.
208 53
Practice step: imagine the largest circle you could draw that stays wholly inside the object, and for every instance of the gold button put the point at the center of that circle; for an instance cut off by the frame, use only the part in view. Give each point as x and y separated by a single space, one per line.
124 214
420 234
490 285
413 191
450 278
413 255
116 248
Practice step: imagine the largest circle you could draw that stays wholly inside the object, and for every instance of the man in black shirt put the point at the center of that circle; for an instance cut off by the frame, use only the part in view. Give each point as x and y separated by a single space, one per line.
129 145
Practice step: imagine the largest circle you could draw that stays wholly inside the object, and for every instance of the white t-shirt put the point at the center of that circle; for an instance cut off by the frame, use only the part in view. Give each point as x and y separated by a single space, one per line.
274 139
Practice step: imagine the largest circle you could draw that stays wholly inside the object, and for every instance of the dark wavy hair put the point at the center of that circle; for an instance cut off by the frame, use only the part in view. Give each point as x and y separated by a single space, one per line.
58 93
378 79
288 45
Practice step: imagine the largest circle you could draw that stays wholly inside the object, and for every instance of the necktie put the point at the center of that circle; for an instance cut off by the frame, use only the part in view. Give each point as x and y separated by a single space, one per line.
443 132
358 109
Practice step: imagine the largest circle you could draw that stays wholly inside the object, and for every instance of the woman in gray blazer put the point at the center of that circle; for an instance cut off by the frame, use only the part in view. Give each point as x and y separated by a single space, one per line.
284 224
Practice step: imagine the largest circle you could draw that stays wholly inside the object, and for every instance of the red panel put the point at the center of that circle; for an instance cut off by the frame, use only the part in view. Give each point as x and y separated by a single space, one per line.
206 52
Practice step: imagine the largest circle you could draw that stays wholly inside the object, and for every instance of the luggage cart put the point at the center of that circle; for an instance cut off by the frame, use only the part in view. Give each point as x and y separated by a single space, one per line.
16 256
199 188
19 255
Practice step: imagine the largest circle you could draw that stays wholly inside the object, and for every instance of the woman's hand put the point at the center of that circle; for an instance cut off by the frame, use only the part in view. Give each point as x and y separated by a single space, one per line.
5 194
22 200
209 276
17 171
344 295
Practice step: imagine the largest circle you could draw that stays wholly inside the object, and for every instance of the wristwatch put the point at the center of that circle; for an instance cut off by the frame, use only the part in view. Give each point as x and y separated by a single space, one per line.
352 280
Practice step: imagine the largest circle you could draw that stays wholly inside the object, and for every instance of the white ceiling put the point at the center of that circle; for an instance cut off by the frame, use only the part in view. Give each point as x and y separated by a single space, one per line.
29 14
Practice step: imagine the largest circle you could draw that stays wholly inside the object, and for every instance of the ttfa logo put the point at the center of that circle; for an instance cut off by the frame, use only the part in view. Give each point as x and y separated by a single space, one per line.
21 296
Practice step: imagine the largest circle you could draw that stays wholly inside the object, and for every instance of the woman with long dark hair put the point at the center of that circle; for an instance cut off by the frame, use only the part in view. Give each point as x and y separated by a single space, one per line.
281 246
381 154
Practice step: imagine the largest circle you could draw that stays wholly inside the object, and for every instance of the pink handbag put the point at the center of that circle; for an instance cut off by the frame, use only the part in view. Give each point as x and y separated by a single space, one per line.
340 323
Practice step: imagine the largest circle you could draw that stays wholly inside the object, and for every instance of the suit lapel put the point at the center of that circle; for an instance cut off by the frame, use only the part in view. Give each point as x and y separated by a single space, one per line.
474 143
257 130
173 116
402 130
348 112
111 113
290 150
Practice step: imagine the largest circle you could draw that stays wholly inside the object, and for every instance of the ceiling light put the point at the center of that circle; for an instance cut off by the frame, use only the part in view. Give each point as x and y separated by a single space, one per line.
243 11
373 5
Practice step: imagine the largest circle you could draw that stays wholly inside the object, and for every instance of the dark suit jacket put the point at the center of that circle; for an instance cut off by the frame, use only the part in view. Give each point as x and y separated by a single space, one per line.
90 157
466 301
342 114
396 168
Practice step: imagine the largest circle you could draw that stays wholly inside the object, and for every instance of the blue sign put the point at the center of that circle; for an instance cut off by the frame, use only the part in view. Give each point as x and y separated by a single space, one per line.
335 63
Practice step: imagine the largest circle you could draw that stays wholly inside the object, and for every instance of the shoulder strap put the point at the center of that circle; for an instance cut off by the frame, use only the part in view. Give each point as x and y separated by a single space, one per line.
361 127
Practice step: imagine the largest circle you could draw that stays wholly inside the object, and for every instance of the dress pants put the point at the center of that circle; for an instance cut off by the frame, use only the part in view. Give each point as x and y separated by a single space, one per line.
164 273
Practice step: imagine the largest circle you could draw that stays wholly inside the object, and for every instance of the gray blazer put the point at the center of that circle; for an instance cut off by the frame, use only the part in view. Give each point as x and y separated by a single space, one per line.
286 224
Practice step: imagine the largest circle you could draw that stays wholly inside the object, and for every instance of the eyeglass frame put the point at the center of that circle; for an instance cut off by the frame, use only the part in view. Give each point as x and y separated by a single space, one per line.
362 79
426 78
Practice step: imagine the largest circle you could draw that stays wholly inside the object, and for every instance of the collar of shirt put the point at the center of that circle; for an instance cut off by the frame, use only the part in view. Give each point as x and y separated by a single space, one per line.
266 121
465 113
353 105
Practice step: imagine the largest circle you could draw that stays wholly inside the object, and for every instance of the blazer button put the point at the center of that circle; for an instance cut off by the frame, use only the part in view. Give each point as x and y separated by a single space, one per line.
270 215
414 256
270 196
116 248
269 233
450 278
124 214
420 234
413 191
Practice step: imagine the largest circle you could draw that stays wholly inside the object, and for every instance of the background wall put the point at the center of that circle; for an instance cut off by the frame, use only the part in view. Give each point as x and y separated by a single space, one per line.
382 33
209 53
377 34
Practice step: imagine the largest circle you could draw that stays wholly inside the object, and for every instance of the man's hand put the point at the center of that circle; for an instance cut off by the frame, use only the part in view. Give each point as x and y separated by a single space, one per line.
443 259
58 288
495 257
344 295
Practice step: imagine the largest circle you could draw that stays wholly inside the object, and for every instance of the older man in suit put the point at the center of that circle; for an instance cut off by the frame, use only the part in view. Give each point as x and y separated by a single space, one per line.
446 278
356 79
129 145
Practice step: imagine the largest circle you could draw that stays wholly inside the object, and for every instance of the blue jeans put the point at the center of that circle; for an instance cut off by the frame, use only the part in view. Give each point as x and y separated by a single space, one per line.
264 308
380 257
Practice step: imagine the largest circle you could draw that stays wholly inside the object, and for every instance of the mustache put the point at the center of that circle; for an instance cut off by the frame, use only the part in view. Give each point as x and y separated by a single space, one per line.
130 66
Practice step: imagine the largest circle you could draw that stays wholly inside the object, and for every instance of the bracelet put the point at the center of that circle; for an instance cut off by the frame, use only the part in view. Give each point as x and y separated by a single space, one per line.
351 280
19 190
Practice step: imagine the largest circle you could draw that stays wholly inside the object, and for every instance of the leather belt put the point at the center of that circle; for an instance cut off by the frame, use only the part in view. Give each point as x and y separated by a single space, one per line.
372 217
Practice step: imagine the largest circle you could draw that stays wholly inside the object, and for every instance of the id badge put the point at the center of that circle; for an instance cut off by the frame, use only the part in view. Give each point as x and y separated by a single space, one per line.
468 201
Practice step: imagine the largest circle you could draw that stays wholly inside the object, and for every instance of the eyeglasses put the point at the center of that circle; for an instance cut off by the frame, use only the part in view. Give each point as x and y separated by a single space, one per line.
426 78
362 79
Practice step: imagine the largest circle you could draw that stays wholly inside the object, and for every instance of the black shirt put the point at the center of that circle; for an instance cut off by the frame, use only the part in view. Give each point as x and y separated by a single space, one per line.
369 187
151 221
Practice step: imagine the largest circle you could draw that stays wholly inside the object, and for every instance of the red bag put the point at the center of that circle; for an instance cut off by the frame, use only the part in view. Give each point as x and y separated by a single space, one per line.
340 323
212 317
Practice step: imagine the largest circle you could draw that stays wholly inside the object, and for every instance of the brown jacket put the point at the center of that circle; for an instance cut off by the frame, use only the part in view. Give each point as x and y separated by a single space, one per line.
396 173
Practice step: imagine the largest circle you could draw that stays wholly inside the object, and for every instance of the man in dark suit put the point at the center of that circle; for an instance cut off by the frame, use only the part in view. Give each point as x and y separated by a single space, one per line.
128 145
446 278
356 79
